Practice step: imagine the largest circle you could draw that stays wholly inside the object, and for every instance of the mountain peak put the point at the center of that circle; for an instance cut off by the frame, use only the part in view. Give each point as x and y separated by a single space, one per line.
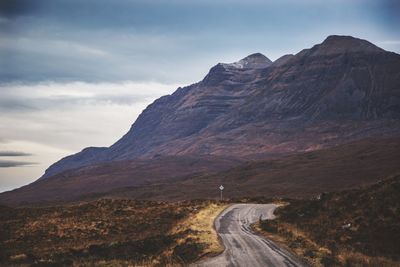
249 64
337 44
253 61
257 57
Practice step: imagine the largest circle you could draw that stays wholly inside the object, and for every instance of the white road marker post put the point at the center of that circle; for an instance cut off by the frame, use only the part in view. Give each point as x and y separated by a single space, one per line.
221 188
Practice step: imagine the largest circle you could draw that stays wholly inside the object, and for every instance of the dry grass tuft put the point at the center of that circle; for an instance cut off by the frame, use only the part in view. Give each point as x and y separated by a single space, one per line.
293 239
201 228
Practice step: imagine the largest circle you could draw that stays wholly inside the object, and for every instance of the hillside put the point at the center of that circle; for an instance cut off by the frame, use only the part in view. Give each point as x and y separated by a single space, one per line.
357 227
298 175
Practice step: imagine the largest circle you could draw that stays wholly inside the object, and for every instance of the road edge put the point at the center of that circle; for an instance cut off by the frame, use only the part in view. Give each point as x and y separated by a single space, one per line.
270 237
208 255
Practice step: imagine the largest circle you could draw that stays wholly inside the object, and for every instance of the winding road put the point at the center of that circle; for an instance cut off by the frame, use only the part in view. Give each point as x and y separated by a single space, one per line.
242 246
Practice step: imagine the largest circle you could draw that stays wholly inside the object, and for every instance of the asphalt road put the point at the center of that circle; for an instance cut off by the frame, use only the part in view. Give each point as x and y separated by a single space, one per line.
242 246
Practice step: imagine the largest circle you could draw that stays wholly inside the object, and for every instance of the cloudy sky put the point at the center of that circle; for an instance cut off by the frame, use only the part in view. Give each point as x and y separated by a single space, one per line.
77 73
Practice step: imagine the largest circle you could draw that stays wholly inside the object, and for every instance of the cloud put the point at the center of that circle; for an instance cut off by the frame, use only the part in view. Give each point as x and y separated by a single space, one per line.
12 163
12 8
14 154
74 115
390 42
164 41
17 97
105 56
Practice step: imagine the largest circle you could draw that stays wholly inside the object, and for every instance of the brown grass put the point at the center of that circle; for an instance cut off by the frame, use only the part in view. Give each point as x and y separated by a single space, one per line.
296 241
109 233
201 227
313 229
316 255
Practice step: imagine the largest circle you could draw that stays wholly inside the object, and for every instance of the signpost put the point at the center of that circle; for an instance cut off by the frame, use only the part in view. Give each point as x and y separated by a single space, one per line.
221 188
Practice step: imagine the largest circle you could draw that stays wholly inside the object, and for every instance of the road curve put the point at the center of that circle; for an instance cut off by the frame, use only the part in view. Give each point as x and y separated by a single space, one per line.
242 246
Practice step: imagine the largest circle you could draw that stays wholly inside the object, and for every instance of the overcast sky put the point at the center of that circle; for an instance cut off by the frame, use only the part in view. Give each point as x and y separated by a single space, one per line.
77 73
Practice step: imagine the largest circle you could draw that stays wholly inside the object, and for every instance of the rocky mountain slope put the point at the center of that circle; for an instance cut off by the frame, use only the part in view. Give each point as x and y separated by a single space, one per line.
341 90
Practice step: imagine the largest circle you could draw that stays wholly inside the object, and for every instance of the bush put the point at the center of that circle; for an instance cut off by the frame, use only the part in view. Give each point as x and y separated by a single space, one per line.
309 253
269 226
188 252
328 260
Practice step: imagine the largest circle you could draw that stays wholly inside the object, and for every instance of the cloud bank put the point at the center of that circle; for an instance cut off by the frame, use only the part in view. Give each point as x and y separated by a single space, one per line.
13 154
13 163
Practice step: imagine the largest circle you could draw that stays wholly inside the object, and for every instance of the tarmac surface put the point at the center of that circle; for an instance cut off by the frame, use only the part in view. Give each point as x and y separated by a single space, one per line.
242 246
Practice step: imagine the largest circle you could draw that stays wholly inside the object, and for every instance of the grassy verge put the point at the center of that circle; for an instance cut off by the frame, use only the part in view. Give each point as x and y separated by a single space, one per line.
293 239
201 238
350 228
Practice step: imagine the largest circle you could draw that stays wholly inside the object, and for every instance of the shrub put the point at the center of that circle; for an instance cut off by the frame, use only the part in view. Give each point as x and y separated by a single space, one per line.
328 260
188 251
269 226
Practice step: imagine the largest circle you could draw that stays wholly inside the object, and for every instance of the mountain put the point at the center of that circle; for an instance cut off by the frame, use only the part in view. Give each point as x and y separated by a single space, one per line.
337 92
341 90
173 117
